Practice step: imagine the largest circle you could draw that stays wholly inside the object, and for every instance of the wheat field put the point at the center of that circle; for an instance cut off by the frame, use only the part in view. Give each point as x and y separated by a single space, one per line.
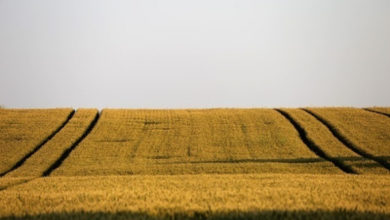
310 163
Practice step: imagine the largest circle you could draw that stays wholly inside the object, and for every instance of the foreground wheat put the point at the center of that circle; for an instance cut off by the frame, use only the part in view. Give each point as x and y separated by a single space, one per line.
221 196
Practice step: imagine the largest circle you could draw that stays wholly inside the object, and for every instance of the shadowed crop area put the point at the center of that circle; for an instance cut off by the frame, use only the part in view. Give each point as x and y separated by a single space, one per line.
263 214
315 163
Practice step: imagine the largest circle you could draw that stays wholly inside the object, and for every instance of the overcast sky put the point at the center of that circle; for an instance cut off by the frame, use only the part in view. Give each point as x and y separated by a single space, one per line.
194 54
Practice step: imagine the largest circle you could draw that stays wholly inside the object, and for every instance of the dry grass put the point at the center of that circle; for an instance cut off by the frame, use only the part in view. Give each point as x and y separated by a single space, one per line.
22 130
47 155
320 134
192 141
200 195
366 130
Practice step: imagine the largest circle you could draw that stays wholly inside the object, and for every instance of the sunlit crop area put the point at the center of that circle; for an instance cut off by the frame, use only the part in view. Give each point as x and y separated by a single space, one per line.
195 163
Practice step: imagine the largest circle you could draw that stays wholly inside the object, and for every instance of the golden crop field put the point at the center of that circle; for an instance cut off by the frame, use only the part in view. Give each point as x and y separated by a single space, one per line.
315 163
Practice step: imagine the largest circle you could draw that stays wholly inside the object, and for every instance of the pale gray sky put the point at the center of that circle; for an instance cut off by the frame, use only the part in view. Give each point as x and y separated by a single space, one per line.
194 54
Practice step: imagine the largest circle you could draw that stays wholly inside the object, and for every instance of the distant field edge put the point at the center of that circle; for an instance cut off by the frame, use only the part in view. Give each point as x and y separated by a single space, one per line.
66 153
43 142
346 141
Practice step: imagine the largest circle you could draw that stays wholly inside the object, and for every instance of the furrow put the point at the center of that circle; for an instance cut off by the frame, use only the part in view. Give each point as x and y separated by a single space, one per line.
145 131
314 147
347 142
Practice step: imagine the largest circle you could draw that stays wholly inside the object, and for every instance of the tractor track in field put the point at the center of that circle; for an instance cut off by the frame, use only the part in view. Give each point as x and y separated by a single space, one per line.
145 131
192 133
66 153
347 142
314 147
43 142
377 112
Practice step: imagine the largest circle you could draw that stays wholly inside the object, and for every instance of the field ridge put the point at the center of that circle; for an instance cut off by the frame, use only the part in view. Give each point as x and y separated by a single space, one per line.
66 153
313 146
43 142
347 142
